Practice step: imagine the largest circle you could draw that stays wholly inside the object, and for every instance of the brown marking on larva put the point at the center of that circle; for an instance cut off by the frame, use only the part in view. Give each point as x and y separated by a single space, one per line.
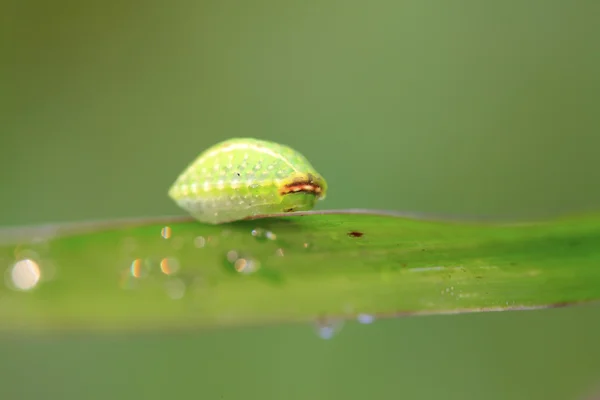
301 186
355 234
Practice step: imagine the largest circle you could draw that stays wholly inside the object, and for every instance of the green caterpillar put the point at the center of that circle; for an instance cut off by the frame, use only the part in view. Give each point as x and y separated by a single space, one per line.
244 178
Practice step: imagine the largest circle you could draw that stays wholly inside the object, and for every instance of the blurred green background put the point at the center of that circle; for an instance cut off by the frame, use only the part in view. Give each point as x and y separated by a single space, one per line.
474 108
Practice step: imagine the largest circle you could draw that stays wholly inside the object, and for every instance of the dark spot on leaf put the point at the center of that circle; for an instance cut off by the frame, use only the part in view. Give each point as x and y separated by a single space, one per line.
321 318
288 210
355 234
238 174
479 277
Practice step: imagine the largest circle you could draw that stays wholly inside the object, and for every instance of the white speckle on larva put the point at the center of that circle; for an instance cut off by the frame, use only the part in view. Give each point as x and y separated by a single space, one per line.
221 184
222 173
204 170
206 186
230 157
270 167
245 156
229 166
184 190
194 188
249 182
257 166
216 167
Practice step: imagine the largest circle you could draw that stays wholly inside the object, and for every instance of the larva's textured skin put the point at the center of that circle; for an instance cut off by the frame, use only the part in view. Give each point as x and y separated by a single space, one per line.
244 177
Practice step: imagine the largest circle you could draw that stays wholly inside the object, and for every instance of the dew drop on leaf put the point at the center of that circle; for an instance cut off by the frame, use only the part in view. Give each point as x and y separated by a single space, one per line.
327 328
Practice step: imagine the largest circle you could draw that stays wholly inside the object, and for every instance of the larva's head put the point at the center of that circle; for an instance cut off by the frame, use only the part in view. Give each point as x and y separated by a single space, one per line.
306 182
301 190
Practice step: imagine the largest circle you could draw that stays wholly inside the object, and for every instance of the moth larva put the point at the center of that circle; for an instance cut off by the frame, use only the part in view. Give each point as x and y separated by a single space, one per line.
244 177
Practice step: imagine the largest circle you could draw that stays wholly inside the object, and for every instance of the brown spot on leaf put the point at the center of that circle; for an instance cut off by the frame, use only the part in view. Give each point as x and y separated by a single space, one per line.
355 234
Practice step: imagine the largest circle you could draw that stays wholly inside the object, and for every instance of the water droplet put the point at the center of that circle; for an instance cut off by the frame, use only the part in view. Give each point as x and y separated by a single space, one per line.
232 256
270 235
328 328
166 232
25 274
259 234
246 265
199 242
306 245
175 288
243 264
169 265
263 234
137 270
365 318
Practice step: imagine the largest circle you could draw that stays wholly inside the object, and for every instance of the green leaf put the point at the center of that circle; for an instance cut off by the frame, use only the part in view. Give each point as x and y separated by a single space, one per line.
177 273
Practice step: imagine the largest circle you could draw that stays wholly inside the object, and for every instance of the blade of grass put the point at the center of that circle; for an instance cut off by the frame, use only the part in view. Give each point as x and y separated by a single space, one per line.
177 273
